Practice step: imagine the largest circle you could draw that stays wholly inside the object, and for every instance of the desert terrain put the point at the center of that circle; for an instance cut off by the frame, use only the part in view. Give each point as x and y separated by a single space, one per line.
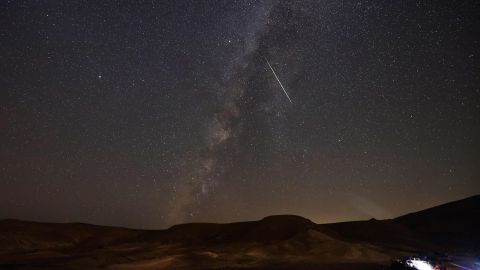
275 242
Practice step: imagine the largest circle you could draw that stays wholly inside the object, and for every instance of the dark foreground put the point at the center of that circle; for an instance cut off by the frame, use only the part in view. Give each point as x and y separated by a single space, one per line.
275 242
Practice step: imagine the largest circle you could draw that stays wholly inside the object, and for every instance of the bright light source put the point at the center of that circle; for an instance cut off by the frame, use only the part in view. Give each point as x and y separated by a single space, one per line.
419 264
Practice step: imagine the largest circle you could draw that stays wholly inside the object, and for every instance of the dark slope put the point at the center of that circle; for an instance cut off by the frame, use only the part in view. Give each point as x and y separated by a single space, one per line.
454 224
450 226
461 210
382 232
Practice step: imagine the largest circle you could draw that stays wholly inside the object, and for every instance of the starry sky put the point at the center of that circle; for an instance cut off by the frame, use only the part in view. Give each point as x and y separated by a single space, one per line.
146 114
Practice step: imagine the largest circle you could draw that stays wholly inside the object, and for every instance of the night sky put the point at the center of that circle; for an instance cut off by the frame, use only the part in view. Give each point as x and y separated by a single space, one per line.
150 113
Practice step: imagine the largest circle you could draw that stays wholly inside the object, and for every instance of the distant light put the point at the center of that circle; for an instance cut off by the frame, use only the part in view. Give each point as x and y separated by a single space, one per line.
463 267
419 264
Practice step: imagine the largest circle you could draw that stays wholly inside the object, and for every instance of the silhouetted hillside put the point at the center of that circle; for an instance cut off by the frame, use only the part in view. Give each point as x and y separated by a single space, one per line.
454 224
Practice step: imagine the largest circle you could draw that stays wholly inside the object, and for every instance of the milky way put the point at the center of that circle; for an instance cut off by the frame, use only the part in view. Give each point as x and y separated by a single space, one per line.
221 132
147 114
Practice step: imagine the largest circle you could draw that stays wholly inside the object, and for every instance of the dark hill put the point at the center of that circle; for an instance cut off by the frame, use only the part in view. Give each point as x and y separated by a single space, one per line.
452 224
272 228
448 226
25 235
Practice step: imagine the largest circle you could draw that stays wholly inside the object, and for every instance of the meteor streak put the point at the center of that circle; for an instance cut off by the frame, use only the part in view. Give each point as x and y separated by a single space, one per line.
279 82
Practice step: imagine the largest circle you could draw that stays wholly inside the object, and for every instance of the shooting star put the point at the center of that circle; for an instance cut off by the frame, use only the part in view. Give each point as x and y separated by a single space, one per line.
278 80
